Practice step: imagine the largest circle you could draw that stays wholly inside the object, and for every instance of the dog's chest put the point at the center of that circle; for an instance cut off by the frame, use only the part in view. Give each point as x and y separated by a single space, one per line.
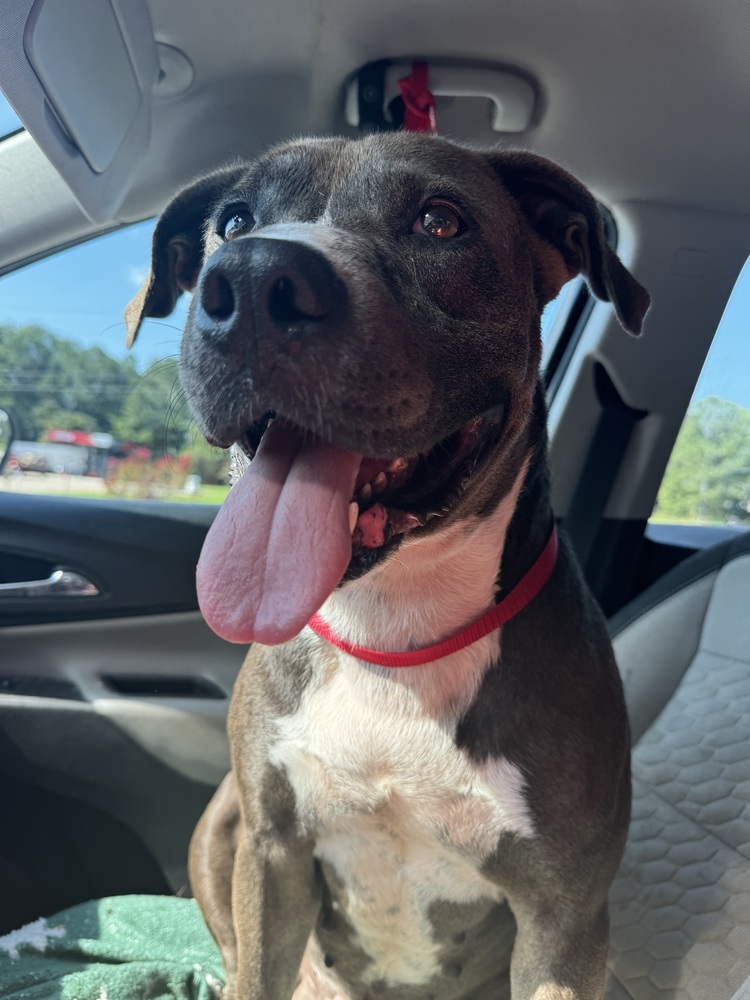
401 816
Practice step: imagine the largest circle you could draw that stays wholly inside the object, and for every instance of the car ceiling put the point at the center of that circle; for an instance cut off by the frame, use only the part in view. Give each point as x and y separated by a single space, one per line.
644 101
641 98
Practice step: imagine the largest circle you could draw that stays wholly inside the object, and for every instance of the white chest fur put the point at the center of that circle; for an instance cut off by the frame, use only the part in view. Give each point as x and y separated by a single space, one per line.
401 814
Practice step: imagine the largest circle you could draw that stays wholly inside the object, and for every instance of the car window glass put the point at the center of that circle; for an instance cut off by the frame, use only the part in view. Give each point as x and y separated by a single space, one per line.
708 477
553 317
92 419
9 120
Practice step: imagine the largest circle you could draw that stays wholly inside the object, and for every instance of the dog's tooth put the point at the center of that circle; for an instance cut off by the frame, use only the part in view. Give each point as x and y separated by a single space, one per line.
353 515
365 492
397 465
401 521
379 482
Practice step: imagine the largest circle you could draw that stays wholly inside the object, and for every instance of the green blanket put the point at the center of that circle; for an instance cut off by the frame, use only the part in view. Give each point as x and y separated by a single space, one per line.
122 948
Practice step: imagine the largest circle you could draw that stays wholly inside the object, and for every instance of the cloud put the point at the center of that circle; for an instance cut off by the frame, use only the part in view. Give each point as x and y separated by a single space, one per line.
136 275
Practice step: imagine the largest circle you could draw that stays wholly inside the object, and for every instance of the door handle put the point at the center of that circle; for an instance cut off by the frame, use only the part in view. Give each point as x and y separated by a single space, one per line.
60 583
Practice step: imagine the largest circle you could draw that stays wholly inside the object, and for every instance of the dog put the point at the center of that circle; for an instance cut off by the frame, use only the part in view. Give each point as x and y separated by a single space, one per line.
364 331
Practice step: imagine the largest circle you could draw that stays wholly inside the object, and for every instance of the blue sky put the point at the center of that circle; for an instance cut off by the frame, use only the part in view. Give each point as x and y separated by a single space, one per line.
726 372
8 120
81 294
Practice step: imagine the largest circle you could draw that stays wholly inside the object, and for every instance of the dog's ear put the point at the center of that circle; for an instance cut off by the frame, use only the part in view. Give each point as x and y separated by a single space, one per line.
565 215
176 249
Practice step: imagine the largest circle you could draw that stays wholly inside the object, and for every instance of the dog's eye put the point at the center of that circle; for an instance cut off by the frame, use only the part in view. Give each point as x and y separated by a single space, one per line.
439 219
239 221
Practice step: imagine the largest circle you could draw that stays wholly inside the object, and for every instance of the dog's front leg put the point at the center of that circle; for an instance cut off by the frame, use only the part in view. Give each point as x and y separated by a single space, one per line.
275 901
211 865
560 952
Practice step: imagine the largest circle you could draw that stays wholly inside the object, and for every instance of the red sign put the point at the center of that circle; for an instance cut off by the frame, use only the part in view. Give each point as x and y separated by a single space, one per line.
69 437
82 438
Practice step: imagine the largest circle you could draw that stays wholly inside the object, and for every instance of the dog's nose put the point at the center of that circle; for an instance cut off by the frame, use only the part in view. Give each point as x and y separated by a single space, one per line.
263 286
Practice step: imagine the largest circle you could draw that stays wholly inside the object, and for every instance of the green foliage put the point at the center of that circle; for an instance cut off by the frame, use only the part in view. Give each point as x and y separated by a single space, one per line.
44 377
50 382
211 464
154 412
708 476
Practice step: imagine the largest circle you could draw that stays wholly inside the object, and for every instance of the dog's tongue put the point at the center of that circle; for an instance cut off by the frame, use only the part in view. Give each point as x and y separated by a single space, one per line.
281 542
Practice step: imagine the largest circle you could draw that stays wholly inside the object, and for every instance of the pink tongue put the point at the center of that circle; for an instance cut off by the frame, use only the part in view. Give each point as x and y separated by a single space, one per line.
281 542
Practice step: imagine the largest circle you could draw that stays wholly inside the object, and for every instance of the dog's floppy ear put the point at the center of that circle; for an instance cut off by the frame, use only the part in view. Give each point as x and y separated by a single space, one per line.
564 213
176 249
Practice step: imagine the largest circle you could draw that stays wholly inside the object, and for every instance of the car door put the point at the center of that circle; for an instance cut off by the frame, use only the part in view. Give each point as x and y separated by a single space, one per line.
113 691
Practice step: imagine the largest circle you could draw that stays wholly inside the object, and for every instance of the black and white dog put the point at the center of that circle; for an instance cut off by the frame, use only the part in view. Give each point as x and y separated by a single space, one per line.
365 328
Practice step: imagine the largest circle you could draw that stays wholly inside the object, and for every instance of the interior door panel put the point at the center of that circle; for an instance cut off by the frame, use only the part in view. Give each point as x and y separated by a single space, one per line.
140 555
112 706
181 725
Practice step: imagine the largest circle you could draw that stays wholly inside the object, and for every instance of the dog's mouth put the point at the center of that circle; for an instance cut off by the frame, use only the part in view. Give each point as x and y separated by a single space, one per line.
306 512
392 497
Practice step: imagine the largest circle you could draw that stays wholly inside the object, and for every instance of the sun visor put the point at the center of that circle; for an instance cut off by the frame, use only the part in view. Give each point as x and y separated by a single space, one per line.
79 74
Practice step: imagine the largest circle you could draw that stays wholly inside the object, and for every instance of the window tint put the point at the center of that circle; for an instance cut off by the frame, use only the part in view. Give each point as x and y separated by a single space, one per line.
94 420
708 477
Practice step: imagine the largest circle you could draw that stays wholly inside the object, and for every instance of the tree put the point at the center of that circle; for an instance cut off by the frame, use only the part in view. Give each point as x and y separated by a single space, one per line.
708 476
50 382
44 377
155 411
48 413
211 464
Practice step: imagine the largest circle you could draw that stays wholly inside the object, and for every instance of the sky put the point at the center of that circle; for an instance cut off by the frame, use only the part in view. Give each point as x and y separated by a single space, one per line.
726 371
81 293
8 119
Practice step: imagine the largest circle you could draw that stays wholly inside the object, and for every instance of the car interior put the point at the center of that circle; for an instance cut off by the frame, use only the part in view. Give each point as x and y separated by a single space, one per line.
113 690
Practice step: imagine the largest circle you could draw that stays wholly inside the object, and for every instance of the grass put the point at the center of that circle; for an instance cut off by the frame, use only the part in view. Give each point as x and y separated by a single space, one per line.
660 518
205 494
82 488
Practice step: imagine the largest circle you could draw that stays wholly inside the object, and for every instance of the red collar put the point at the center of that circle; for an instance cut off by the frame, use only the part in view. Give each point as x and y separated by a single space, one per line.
524 592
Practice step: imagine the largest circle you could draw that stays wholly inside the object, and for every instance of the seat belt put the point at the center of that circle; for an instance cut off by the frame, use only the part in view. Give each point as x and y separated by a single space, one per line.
611 437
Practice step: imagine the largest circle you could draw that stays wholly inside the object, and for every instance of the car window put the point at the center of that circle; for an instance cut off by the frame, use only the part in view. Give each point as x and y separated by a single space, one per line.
92 418
556 311
708 477
9 120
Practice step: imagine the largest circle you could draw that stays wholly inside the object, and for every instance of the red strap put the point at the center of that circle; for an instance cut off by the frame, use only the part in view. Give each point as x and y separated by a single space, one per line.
524 592
419 103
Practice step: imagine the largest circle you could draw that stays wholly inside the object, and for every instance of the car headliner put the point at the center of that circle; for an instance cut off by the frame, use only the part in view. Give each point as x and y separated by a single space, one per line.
644 101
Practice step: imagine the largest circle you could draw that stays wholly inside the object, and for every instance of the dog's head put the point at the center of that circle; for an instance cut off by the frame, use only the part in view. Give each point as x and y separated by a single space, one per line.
379 301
